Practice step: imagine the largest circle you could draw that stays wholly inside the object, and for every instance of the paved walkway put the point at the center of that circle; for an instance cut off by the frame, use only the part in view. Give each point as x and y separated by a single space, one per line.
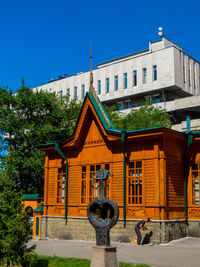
178 253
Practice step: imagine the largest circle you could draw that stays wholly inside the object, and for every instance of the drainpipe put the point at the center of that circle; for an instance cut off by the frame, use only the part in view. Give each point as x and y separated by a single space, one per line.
188 124
189 143
124 177
57 148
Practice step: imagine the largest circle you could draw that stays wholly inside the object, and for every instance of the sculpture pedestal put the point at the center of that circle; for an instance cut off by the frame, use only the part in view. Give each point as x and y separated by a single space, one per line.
104 257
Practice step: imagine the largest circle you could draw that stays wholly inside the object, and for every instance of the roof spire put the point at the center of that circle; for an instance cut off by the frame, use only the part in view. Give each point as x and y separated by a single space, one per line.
91 89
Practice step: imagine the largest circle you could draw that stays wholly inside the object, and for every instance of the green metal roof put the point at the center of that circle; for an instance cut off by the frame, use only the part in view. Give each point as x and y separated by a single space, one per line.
39 209
104 122
30 196
146 129
99 113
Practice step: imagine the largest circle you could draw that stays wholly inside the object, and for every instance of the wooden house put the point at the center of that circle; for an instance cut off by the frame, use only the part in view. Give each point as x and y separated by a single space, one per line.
155 174
32 204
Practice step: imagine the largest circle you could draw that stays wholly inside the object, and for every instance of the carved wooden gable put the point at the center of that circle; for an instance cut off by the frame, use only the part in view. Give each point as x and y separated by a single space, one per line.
89 126
93 135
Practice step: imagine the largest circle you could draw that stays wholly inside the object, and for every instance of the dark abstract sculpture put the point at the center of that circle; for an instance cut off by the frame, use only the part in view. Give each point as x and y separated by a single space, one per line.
102 213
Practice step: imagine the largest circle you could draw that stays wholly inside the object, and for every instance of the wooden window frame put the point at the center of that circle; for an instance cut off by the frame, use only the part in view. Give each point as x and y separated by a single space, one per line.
83 182
89 182
193 179
93 188
63 182
128 196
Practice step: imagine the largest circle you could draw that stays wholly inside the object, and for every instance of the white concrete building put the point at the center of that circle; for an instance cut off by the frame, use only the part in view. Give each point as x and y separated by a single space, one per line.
163 73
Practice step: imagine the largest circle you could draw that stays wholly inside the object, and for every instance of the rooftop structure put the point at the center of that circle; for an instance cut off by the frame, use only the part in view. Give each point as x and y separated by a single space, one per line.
164 73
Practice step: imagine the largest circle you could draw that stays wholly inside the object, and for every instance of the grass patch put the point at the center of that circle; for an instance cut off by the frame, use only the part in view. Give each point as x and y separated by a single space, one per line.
54 261
47 261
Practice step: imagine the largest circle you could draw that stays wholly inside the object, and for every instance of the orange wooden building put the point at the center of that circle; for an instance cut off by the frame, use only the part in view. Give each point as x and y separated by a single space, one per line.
33 204
31 201
155 174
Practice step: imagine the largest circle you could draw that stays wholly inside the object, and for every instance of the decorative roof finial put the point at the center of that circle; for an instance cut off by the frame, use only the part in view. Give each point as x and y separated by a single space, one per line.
91 56
91 89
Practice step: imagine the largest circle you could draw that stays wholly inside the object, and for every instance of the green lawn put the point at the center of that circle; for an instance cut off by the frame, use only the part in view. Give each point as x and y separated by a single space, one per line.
46 261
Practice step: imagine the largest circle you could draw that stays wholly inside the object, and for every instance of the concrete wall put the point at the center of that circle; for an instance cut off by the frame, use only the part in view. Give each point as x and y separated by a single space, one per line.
182 127
81 229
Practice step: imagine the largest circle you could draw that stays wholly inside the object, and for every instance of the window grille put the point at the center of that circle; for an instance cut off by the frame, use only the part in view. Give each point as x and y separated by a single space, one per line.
90 187
61 185
195 183
135 182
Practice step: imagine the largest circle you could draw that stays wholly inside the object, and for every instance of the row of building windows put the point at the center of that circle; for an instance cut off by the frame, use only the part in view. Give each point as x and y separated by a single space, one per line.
156 98
116 83
90 188
125 80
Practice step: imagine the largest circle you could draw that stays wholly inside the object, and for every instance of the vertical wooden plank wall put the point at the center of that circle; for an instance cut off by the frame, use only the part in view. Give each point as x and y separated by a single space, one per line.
174 148
117 179
162 170
144 151
163 187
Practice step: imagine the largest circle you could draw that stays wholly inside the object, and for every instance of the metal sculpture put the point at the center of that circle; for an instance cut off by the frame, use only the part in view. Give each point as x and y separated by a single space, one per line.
102 213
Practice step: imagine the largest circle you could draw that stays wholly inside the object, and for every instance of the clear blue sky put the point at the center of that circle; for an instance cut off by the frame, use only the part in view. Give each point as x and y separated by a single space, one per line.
41 39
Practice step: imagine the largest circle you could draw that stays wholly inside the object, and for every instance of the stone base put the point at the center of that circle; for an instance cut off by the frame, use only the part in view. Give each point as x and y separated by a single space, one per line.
81 229
194 228
104 257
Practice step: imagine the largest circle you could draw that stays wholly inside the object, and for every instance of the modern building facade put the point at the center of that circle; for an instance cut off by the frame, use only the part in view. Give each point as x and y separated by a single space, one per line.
164 73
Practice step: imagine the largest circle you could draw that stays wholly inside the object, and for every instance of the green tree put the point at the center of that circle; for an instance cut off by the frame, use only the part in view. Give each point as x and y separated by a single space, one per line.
117 118
14 226
147 116
26 120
